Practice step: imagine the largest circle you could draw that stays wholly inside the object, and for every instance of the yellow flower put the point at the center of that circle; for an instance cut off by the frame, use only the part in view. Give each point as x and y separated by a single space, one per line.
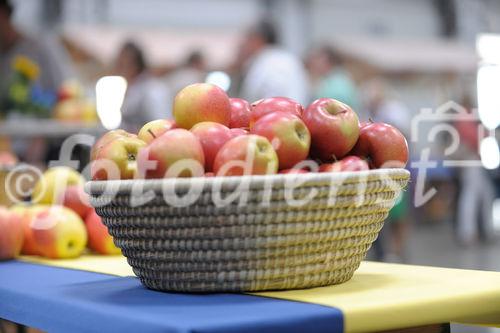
27 67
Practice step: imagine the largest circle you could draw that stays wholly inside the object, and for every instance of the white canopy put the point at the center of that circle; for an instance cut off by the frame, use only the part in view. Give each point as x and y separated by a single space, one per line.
162 46
409 55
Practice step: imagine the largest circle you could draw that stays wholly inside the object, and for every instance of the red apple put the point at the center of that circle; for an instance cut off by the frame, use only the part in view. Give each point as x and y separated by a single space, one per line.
383 145
240 113
288 135
177 147
70 89
334 128
76 199
59 233
7 158
100 240
11 234
246 155
117 159
154 129
212 137
107 138
201 102
293 171
28 216
274 104
348 163
239 131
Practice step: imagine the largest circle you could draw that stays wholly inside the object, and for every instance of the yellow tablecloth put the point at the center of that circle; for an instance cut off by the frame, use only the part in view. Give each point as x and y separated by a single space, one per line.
379 297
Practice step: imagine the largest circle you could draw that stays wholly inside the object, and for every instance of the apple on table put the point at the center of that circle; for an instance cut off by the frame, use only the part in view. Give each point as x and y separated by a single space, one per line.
28 214
59 233
7 158
50 188
11 234
99 239
76 199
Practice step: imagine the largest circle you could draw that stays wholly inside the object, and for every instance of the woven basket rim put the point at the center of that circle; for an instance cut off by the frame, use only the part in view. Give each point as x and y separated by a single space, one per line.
254 181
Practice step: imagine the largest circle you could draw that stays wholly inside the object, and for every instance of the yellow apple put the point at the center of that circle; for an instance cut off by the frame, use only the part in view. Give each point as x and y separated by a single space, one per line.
89 112
50 188
154 129
59 233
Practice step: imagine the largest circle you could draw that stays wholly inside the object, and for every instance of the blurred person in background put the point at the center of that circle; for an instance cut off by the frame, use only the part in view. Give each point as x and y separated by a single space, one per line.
476 187
31 70
44 51
382 107
146 98
267 69
193 70
329 77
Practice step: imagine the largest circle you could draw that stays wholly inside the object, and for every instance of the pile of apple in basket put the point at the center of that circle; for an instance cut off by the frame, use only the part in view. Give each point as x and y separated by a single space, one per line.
212 132
271 195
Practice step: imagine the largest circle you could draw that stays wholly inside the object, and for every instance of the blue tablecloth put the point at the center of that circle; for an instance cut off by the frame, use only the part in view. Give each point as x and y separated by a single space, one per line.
65 300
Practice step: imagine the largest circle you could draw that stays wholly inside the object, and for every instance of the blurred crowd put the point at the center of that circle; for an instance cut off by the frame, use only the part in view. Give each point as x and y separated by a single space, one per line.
261 68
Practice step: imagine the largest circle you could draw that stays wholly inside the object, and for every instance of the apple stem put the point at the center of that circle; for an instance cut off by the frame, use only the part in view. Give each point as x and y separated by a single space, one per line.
335 158
151 132
370 120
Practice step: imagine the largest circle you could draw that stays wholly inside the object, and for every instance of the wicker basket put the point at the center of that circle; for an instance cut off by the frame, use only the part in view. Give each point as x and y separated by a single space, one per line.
262 240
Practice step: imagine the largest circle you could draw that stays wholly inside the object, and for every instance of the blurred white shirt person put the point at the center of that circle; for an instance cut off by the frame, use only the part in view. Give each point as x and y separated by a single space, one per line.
147 98
193 70
269 70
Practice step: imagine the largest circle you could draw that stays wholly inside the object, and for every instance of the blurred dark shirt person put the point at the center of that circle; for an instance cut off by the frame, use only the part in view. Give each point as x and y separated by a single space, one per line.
329 77
44 51
146 98
268 69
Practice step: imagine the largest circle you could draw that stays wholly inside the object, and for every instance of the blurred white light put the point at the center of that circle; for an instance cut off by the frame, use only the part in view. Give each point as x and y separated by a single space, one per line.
488 48
488 96
110 92
220 79
490 153
496 214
